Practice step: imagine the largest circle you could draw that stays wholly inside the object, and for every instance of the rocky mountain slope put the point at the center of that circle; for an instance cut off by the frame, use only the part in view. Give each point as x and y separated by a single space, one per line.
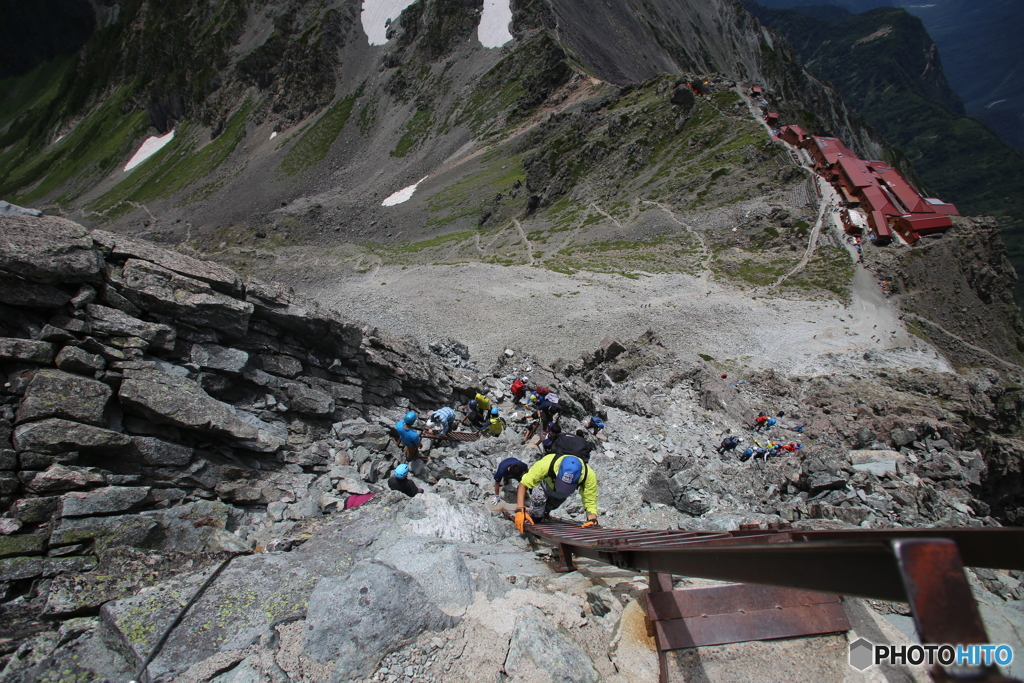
606 215
172 429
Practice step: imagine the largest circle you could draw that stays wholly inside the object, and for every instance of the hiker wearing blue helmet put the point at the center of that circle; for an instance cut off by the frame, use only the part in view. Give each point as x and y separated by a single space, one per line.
495 424
401 481
477 411
550 481
408 438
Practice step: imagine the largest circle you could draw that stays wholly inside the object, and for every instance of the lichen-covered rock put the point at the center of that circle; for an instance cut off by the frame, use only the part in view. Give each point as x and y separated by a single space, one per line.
27 351
74 359
34 510
105 532
102 501
22 544
354 621
187 300
216 357
111 322
53 393
48 249
55 435
61 478
149 450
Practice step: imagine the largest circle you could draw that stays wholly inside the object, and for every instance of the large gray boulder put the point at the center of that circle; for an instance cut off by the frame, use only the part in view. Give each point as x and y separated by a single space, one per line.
114 323
354 621
74 359
53 393
216 357
8 209
27 350
309 401
186 299
217 276
540 649
181 402
437 566
251 594
105 532
54 435
48 249
149 450
57 477
102 501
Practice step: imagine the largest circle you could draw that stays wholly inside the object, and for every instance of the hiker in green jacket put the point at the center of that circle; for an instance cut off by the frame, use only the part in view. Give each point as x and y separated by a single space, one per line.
550 481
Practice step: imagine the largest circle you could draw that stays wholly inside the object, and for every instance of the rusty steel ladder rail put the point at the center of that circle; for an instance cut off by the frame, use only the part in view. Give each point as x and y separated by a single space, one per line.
924 567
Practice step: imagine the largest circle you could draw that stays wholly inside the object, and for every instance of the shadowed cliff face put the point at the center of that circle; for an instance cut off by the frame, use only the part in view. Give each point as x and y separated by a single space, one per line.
34 32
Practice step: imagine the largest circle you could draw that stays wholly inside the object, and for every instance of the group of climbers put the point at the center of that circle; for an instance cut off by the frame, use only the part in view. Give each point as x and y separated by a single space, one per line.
763 451
536 490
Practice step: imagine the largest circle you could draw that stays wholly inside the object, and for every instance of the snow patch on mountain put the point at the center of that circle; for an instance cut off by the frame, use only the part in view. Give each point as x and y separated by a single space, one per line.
377 16
493 30
151 146
403 195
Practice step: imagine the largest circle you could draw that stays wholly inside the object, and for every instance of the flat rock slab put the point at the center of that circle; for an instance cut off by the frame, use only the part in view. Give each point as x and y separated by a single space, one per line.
59 477
101 501
54 435
105 532
354 621
880 462
111 322
121 573
187 300
181 402
216 357
53 393
219 277
252 593
22 544
149 450
18 568
27 351
48 249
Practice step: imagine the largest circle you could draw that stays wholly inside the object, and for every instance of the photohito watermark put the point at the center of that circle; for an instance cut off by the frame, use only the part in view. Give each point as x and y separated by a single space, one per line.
865 654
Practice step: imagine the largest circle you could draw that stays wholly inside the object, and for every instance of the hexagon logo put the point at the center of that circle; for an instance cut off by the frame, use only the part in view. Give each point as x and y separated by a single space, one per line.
861 654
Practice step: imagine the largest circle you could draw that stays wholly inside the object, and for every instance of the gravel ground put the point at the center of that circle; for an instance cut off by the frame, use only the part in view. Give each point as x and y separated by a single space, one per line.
551 315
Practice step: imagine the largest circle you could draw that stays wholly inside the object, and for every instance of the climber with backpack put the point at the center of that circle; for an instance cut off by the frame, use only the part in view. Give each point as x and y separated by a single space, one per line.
495 424
550 481
519 389
400 481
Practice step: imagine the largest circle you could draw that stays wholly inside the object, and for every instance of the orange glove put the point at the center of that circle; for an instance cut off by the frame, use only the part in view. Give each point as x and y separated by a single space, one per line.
592 524
522 517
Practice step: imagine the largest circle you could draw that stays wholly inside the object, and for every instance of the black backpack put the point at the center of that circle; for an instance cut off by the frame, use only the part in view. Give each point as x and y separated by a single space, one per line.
570 444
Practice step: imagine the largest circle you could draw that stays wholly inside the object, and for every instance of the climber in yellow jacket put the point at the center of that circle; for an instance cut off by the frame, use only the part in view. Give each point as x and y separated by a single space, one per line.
550 481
